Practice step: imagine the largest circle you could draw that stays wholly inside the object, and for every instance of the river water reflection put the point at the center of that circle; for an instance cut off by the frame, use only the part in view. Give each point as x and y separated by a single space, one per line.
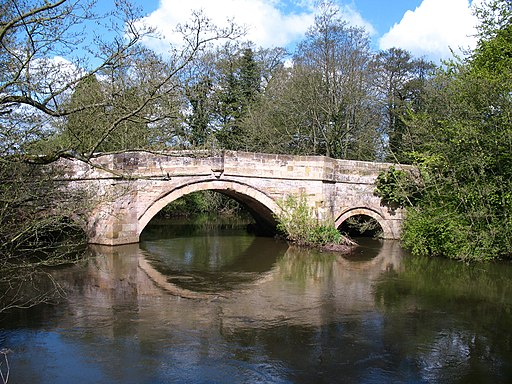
223 306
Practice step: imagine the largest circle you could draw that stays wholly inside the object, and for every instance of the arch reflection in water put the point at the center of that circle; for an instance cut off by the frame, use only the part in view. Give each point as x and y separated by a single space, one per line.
301 286
210 263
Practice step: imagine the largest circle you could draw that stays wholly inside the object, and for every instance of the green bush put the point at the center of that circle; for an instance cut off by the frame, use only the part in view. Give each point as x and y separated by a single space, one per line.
428 233
299 224
435 231
296 219
326 234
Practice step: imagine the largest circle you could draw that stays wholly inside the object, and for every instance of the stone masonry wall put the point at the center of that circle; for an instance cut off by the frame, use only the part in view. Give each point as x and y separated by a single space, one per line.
129 188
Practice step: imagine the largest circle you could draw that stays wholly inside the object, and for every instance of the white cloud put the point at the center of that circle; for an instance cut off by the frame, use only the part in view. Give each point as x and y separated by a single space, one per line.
269 23
267 26
434 28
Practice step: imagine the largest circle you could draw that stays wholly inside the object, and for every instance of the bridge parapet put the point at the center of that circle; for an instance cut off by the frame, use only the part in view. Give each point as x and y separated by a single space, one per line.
273 166
142 164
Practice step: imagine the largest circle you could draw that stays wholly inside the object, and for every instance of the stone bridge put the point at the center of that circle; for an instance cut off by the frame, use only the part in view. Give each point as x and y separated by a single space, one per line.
126 190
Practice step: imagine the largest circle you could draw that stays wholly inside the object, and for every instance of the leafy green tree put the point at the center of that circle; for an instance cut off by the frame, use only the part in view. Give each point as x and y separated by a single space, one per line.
275 123
465 155
83 127
221 93
199 120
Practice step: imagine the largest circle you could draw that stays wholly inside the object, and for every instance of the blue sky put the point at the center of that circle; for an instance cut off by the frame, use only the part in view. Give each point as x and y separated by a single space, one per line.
424 27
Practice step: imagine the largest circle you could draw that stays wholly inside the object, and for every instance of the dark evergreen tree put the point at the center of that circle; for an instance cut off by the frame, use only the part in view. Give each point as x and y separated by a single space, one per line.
199 119
240 86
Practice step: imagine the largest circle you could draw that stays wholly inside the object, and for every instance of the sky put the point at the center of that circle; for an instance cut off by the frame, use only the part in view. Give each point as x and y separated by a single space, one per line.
426 28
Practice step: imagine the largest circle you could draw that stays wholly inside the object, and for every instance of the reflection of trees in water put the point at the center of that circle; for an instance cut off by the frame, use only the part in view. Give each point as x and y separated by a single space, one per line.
313 317
300 264
371 259
159 228
478 299
311 287
303 286
268 278
304 271
438 281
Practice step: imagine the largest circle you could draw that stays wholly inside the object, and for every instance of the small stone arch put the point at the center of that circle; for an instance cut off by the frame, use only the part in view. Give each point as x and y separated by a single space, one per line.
262 207
387 230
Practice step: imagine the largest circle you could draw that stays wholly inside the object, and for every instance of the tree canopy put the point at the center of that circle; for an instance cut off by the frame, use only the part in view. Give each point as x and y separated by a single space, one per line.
464 151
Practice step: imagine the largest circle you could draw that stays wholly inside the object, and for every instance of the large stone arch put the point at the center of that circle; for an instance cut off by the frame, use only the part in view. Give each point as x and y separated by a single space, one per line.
262 207
386 226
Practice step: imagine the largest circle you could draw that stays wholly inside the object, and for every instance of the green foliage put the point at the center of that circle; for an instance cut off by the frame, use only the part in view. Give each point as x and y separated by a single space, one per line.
107 117
361 225
396 188
298 222
326 234
230 82
338 99
100 122
199 119
402 80
240 82
296 219
203 202
465 209
324 104
434 233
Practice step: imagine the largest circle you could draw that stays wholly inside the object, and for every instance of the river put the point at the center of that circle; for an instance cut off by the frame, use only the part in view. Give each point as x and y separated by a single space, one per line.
214 304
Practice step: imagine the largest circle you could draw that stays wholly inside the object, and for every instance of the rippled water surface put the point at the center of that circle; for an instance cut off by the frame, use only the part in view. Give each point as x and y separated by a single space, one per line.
216 305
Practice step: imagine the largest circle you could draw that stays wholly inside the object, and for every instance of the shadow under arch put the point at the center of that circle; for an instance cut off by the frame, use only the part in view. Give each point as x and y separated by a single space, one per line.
261 206
387 231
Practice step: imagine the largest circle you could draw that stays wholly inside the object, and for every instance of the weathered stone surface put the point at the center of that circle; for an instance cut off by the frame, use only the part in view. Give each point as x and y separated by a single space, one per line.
131 187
